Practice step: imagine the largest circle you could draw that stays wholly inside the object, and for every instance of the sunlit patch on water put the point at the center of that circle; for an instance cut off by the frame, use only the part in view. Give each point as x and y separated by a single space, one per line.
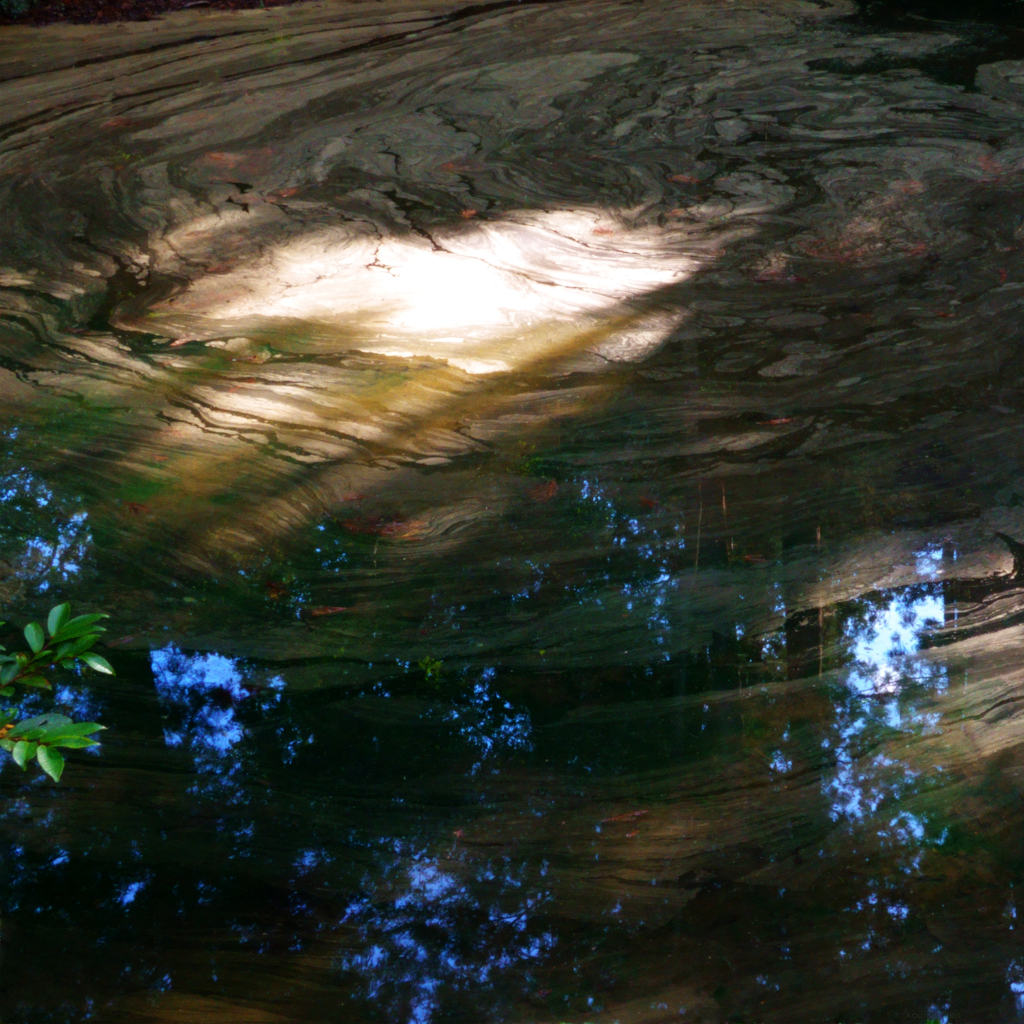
487 297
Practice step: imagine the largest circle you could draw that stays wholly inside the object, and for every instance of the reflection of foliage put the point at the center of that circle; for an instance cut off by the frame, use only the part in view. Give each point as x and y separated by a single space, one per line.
435 934
542 465
69 643
205 695
44 539
431 669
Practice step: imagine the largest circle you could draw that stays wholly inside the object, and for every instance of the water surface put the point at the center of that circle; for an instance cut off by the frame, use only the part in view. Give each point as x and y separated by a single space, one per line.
554 470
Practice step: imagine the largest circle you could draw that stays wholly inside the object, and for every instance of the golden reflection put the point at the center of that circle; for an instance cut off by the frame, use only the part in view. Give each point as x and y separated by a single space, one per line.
543 293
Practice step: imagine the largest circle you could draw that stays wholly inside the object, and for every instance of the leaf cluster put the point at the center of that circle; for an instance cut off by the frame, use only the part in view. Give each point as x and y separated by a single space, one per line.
432 668
65 642
40 737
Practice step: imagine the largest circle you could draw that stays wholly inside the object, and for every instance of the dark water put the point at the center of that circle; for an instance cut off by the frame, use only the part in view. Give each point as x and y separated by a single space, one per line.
545 465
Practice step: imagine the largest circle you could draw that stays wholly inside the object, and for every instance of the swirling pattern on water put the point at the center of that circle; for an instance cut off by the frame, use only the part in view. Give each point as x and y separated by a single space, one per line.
653 368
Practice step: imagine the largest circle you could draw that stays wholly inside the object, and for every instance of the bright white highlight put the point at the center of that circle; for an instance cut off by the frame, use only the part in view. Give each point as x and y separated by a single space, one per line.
486 296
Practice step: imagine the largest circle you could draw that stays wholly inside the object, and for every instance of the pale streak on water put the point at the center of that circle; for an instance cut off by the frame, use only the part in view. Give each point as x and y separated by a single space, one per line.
653 368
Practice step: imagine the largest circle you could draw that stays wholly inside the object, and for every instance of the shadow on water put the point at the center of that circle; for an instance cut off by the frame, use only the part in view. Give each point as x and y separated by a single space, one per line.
564 514
884 13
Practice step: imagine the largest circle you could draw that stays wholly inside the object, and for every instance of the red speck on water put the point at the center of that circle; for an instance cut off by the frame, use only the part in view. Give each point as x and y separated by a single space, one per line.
628 816
316 613
543 492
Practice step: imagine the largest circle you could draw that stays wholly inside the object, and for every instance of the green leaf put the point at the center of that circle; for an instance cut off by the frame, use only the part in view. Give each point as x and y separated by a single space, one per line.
8 672
73 736
79 625
74 729
89 619
55 730
6 744
33 728
41 682
74 648
70 742
72 634
51 761
58 617
22 753
6 691
35 636
94 661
